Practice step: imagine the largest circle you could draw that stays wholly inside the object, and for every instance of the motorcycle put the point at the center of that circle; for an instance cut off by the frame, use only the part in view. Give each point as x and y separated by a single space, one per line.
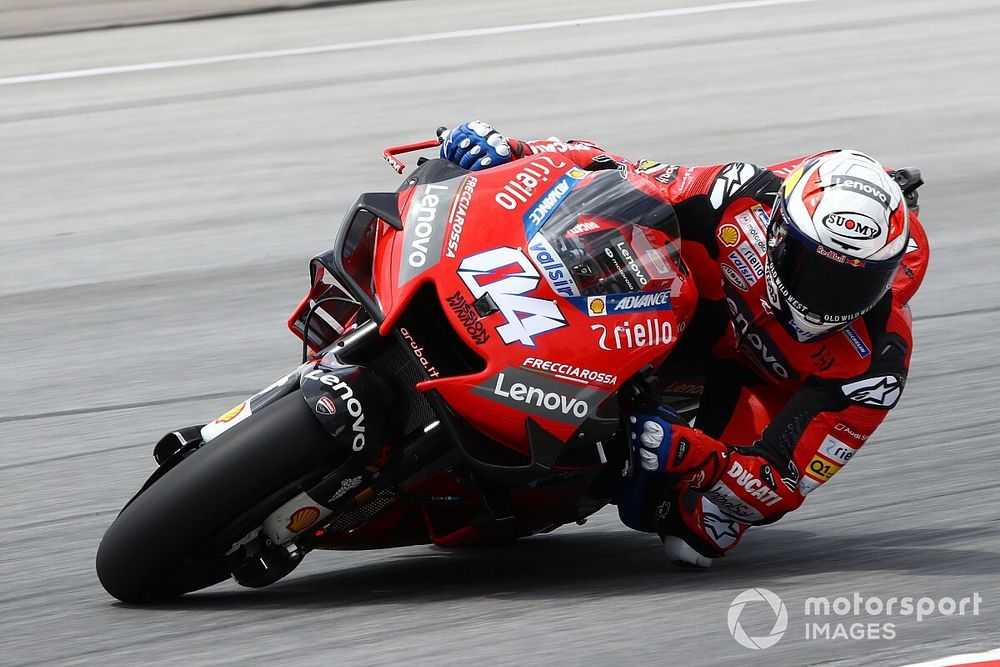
467 342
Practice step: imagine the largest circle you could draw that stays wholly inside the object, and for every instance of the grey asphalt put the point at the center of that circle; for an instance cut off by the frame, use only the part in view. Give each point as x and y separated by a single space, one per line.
155 231
52 17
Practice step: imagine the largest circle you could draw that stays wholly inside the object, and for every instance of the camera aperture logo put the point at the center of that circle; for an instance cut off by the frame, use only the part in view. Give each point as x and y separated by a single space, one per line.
847 617
777 609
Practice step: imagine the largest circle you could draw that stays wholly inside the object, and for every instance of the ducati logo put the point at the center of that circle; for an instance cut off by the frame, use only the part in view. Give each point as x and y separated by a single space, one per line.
354 407
325 406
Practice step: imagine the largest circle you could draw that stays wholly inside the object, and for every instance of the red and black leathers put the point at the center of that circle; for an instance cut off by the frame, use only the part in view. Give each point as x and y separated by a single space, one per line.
778 417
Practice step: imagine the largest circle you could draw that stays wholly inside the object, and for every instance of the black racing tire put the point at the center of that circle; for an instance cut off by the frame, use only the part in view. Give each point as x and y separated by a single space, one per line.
170 539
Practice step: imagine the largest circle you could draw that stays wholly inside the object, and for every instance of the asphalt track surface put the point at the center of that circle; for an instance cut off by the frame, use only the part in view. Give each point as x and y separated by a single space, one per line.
156 227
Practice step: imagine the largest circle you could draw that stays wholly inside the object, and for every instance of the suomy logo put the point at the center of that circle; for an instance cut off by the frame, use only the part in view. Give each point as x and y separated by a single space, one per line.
851 226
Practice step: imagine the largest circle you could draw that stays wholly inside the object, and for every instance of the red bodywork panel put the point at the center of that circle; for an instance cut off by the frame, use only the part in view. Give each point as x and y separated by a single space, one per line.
558 341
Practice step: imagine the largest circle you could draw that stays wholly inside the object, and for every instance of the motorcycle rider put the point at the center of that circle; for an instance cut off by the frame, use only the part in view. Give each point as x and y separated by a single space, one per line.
802 333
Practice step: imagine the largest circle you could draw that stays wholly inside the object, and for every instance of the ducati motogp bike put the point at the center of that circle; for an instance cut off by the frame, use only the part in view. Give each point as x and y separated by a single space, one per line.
467 342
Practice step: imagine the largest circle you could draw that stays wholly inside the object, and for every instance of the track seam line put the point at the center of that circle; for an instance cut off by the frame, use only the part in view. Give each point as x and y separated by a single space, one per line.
231 14
64 457
396 41
121 406
960 313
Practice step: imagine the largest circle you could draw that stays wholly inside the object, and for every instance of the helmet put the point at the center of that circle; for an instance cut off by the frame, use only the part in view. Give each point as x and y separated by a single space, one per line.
837 233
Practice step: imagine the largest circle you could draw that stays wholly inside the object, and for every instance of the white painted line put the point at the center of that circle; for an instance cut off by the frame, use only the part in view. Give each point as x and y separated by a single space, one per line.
393 41
988 658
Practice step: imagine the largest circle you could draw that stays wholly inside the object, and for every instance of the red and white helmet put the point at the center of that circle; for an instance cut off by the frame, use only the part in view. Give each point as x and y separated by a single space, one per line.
837 234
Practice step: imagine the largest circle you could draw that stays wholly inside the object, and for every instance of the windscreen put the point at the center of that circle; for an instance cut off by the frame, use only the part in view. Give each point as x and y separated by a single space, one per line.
357 254
611 237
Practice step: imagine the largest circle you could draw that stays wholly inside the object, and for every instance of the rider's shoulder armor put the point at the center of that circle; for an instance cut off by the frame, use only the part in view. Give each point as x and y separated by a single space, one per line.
739 179
914 265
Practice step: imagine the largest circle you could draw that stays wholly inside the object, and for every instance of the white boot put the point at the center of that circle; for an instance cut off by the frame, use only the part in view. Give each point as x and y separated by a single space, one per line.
681 553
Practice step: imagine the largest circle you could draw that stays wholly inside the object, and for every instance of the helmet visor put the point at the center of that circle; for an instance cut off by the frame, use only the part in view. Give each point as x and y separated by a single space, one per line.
821 283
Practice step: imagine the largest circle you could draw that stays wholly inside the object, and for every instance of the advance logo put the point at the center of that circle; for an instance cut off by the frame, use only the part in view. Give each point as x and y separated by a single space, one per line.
536 217
622 304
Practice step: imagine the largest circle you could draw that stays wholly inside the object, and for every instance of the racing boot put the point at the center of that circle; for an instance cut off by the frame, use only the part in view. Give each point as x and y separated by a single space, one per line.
694 530
682 554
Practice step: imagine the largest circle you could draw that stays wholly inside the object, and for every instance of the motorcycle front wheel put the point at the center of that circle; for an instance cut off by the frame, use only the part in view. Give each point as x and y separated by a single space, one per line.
172 538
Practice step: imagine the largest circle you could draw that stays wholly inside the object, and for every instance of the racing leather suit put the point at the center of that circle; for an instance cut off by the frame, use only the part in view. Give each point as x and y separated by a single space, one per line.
777 417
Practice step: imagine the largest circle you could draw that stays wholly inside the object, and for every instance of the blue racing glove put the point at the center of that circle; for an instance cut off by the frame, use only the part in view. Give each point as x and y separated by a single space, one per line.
475 146
651 437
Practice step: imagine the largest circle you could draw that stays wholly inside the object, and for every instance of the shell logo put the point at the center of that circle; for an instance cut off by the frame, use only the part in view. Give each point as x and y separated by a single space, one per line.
302 518
597 306
729 235
231 415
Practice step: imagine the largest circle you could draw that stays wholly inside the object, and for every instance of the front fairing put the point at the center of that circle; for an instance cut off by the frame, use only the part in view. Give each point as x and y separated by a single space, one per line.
563 283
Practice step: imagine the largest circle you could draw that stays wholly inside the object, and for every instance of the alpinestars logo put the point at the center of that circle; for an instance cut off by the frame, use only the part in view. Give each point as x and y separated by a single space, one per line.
508 276
723 530
882 391
733 177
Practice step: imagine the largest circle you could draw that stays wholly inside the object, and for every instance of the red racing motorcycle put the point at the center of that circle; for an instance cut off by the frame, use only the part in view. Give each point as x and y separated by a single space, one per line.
466 344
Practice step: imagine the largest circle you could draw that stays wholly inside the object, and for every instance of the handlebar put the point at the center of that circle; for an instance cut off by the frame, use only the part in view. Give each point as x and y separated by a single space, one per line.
390 153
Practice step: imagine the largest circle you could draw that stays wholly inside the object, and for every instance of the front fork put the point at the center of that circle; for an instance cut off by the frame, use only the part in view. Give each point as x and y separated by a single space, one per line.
352 486
360 411
271 551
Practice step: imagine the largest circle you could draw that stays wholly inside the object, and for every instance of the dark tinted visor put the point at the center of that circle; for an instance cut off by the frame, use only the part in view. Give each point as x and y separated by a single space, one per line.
820 281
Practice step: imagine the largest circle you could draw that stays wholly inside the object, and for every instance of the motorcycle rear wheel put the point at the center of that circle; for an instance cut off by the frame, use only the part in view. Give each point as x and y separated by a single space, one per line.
172 538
